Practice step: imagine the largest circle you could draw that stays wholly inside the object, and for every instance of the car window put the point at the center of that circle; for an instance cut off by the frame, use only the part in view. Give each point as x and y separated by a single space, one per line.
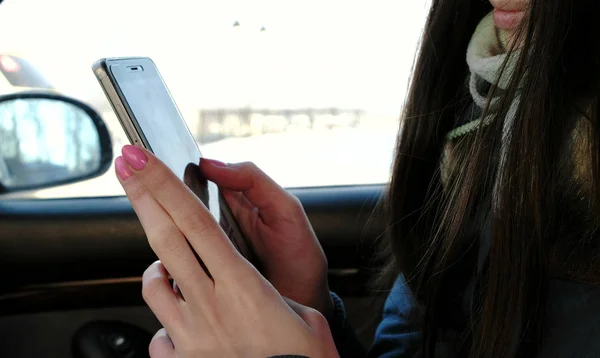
310 90
20 73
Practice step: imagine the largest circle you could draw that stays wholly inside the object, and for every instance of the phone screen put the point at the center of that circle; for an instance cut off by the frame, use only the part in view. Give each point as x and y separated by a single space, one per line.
166 134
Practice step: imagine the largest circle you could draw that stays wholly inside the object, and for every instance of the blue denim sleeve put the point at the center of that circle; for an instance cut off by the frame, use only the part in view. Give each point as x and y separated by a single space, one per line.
399 333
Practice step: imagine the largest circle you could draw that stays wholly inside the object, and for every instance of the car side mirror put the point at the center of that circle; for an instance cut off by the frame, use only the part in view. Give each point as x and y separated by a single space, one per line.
47 139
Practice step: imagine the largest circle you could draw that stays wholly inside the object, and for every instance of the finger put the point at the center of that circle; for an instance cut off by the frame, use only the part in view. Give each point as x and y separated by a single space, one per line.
177 290
158 294
163 236
161 345
244 212
187 211
263 192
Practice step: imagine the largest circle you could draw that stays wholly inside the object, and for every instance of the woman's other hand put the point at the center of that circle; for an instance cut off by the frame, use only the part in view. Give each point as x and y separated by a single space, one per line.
229 309
280 233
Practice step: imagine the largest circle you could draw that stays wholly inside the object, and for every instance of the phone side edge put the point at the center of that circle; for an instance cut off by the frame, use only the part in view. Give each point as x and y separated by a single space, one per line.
101 71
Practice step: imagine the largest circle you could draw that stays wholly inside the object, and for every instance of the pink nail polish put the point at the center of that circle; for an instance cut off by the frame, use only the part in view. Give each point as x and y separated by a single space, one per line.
134 157
121 168
213 162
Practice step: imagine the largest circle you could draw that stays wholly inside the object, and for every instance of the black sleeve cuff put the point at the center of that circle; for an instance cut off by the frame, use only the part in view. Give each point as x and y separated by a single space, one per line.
346 342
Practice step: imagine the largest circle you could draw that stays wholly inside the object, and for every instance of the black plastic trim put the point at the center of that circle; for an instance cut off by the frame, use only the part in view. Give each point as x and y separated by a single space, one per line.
64 240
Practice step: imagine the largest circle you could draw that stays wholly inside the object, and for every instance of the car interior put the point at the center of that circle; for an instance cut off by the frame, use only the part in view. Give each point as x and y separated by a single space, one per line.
67 283
72 250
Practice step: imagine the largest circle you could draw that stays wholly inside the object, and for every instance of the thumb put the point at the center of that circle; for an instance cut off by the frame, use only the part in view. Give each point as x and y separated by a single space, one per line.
317 322
261 191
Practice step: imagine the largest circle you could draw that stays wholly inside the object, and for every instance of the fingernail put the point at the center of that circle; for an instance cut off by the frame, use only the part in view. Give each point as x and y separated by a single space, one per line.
134 157
213 162
121 168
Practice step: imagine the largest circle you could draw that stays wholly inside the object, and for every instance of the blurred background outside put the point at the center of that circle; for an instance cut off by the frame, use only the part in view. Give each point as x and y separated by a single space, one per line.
311 91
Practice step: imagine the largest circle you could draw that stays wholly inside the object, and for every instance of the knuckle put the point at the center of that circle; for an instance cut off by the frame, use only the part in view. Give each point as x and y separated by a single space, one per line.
250 166
295 202
316 320
150 289
250 170
160 180
294 207
151 270
159 344
196 221
136 192
313 317
318 317
162 239
151 284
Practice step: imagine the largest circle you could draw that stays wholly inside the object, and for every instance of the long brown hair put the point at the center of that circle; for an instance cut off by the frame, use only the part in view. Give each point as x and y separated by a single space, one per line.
435 229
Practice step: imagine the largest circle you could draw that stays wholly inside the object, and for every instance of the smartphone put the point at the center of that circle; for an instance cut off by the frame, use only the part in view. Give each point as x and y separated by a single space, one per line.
152 120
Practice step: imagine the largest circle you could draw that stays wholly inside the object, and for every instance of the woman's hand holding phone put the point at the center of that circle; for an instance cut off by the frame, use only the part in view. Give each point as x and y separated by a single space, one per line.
280 233
229 311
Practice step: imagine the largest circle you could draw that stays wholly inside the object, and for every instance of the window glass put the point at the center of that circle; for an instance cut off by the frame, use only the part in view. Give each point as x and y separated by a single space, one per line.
310 90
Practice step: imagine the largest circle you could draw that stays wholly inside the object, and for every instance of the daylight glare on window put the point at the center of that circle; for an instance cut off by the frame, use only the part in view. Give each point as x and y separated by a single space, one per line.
309 90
